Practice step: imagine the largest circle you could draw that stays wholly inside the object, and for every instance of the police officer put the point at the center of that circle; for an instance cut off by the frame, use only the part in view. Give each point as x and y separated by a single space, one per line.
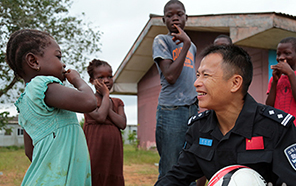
235 129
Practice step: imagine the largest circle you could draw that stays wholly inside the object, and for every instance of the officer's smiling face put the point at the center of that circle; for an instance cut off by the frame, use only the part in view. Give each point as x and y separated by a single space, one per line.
212 88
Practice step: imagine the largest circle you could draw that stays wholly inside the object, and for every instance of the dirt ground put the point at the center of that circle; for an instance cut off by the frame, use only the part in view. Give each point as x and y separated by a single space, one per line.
140 175
10 179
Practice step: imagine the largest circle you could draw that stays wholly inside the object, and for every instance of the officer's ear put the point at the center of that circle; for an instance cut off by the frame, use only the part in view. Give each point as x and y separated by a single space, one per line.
237 82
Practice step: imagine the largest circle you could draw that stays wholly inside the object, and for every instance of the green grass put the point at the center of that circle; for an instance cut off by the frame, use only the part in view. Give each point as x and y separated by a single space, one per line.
14 163
13 158
140 156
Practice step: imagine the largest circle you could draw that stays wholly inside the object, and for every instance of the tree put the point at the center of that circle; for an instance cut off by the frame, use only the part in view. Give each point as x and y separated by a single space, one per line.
76 38
4 119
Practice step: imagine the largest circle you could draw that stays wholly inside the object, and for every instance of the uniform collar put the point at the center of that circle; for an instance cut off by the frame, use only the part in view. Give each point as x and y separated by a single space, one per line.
244 123
245 120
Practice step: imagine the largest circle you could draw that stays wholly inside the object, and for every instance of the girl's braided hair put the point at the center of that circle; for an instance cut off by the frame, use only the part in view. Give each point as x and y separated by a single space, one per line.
23 42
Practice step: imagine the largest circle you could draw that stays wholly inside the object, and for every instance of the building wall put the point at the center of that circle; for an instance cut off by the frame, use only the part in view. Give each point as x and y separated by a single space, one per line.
15 138
259 83
148 91
201 41
149 86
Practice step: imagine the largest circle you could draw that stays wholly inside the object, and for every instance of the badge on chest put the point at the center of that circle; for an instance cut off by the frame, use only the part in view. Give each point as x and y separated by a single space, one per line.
205 141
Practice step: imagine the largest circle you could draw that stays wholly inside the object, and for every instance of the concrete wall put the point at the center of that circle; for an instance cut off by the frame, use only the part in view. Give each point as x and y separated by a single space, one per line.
14 139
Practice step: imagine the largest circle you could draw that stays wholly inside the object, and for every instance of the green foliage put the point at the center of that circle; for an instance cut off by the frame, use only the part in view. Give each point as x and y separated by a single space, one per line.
132 138
76 38
81 122
4 120
8 131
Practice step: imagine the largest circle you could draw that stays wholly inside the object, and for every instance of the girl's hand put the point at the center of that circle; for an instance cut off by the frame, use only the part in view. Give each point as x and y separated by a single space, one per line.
71 75
101 87
181 37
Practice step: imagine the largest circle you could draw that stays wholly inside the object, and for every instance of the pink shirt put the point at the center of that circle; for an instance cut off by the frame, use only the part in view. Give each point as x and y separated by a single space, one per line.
284 99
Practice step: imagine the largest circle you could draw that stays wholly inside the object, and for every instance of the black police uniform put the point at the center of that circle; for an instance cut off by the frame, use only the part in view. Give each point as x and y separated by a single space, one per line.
263 138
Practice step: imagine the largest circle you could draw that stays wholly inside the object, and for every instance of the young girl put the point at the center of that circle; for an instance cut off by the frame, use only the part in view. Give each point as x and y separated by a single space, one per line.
101 129
47 111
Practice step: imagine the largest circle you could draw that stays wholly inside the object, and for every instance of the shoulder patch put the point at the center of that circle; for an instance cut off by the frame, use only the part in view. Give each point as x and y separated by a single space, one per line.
290 153
198 116
278 115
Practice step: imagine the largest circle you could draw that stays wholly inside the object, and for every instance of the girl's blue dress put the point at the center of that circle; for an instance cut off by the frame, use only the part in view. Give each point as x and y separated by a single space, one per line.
60 155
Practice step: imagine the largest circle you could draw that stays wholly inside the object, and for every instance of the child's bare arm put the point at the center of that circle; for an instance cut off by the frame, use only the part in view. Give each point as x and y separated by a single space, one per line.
81 99
172 69
118 119
28 145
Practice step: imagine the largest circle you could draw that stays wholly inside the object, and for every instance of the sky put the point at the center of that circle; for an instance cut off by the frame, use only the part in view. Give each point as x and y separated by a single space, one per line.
121 22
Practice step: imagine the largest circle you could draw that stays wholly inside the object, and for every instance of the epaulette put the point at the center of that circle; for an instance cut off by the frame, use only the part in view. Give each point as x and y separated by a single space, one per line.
277 115
198 116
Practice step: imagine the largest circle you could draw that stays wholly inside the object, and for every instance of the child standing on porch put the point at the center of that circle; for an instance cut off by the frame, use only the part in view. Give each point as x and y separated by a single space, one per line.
102 128
47 111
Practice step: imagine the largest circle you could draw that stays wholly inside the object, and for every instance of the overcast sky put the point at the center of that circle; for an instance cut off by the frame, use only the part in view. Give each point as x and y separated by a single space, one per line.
121 22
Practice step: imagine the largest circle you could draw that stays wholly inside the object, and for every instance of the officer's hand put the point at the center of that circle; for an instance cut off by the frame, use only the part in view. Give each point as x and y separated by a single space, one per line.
270 184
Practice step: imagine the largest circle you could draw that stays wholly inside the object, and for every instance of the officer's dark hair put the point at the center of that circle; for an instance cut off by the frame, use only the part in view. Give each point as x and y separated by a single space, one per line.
224 36
235 61
23 42
172 2
93 64
291 40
